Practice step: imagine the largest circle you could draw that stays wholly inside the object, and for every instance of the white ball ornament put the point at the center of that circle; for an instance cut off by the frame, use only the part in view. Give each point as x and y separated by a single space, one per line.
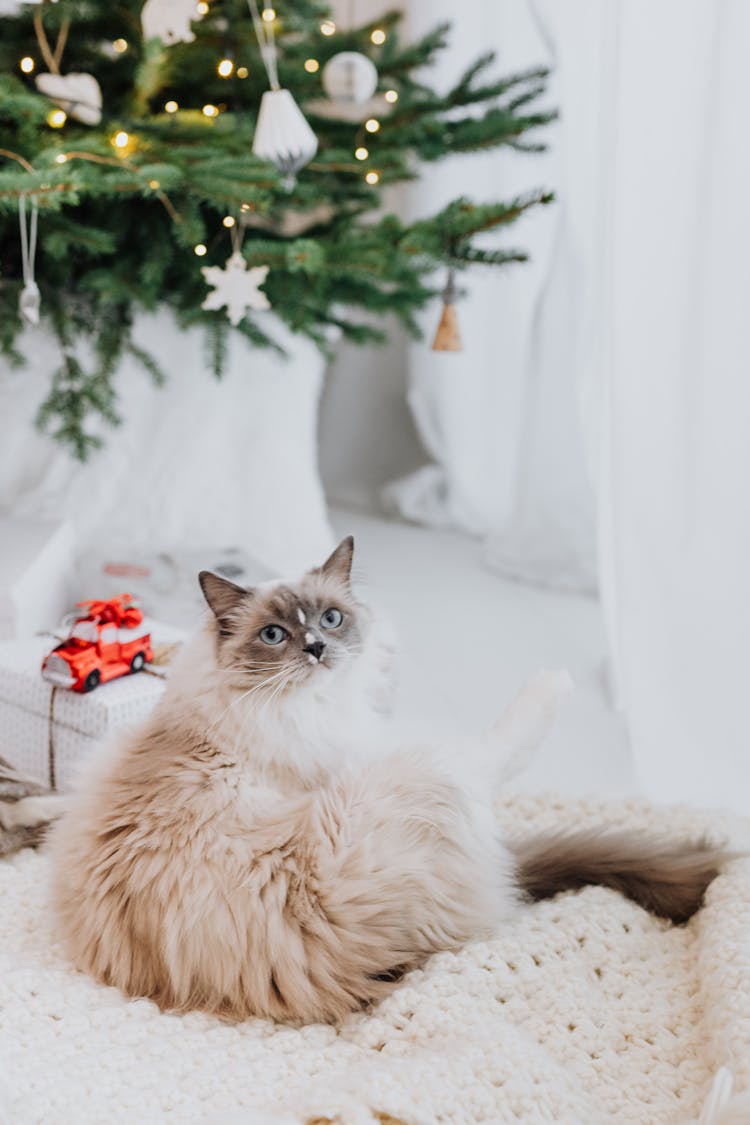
350 77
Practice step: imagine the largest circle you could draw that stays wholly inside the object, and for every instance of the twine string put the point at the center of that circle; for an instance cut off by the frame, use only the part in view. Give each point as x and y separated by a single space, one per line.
237 233
51 737
52 58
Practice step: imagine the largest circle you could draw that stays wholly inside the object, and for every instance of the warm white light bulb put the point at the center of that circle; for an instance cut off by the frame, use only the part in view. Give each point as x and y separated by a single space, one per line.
121 139
228 221
361 153
171 107
61 158
269 15
372 178
378 36
120 45
391 96
56 118
372 125
242 72
210 111
311 65
200 249
328 27
225 68
27 64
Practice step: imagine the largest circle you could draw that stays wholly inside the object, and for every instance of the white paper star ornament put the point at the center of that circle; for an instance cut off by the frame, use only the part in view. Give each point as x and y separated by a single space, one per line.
235 286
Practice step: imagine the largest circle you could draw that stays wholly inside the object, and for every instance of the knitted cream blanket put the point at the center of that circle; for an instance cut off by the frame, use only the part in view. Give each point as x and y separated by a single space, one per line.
585 1011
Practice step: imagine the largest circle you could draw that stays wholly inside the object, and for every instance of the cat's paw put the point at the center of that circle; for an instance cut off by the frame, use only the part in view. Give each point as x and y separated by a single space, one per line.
523 726
549 686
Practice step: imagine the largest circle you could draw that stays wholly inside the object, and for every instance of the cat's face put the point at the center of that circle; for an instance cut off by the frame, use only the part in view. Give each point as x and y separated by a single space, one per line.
279 635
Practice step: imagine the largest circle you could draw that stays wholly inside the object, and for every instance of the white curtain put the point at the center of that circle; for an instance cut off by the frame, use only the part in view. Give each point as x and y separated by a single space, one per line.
501 420
675 455
624 347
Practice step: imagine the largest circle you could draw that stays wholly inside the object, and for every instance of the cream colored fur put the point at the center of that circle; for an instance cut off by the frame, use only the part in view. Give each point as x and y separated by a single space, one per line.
251 852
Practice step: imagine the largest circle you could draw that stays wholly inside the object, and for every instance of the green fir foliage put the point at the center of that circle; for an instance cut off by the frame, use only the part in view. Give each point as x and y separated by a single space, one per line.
118 227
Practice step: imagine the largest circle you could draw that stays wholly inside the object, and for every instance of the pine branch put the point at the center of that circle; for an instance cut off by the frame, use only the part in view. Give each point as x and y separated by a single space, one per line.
118 228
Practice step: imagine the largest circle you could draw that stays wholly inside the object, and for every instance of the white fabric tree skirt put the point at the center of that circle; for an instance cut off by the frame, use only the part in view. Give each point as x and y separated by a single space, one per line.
585 1011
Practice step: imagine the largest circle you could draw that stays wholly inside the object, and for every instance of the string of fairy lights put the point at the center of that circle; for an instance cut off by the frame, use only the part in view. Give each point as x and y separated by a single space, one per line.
124 142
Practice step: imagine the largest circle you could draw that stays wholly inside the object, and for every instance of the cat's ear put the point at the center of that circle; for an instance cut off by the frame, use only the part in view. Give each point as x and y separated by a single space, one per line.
223 598
339 562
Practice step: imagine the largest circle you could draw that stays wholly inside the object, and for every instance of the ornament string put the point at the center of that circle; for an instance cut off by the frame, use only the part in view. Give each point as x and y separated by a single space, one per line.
28 305
236 234
28 239
266 43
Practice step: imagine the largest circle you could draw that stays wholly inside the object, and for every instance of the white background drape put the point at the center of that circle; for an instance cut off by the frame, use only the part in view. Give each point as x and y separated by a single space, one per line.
623 348
501 419
675 512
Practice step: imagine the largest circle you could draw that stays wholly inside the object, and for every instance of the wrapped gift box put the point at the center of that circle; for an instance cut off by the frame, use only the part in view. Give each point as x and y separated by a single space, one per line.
36 569
49 732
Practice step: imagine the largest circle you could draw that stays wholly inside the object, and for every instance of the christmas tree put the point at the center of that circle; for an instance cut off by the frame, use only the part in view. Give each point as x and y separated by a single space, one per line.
127 130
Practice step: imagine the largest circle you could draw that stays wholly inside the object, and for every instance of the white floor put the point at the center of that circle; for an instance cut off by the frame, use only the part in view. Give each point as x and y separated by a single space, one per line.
469 639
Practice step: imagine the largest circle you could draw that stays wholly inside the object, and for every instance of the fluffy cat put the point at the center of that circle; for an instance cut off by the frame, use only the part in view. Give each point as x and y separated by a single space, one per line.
259 848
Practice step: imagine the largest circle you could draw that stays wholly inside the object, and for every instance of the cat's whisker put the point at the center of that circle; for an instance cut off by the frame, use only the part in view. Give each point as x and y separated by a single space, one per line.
277 690
212 726
245 695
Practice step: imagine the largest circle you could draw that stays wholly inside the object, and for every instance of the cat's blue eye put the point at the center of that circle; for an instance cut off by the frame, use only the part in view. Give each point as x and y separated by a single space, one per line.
331 619
273 635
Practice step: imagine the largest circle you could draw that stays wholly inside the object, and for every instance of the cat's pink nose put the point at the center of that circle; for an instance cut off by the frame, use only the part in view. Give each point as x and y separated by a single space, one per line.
315 649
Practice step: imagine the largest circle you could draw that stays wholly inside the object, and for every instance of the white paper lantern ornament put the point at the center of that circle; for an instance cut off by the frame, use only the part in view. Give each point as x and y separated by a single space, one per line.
350 77
282 134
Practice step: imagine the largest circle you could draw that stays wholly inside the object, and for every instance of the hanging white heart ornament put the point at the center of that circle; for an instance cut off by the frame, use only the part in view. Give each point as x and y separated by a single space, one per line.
282 135
78 94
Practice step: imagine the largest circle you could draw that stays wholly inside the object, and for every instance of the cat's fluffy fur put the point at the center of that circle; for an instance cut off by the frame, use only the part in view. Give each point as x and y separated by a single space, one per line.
258 848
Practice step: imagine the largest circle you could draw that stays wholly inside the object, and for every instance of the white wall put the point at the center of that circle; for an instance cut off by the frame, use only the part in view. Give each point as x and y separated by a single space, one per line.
367 436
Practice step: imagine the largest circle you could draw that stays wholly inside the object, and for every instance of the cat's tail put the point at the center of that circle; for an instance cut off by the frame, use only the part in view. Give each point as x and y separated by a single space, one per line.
665 877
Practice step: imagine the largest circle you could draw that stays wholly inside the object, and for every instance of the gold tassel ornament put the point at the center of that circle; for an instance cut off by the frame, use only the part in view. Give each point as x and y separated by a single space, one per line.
448 336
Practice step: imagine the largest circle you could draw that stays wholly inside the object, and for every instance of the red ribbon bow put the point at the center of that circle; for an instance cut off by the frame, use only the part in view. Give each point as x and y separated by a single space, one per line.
119 611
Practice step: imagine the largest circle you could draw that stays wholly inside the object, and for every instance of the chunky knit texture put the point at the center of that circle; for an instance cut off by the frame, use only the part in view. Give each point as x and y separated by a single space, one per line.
585 1010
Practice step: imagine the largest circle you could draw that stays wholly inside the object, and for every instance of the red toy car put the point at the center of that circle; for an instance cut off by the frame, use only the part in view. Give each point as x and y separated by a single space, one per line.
105 642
